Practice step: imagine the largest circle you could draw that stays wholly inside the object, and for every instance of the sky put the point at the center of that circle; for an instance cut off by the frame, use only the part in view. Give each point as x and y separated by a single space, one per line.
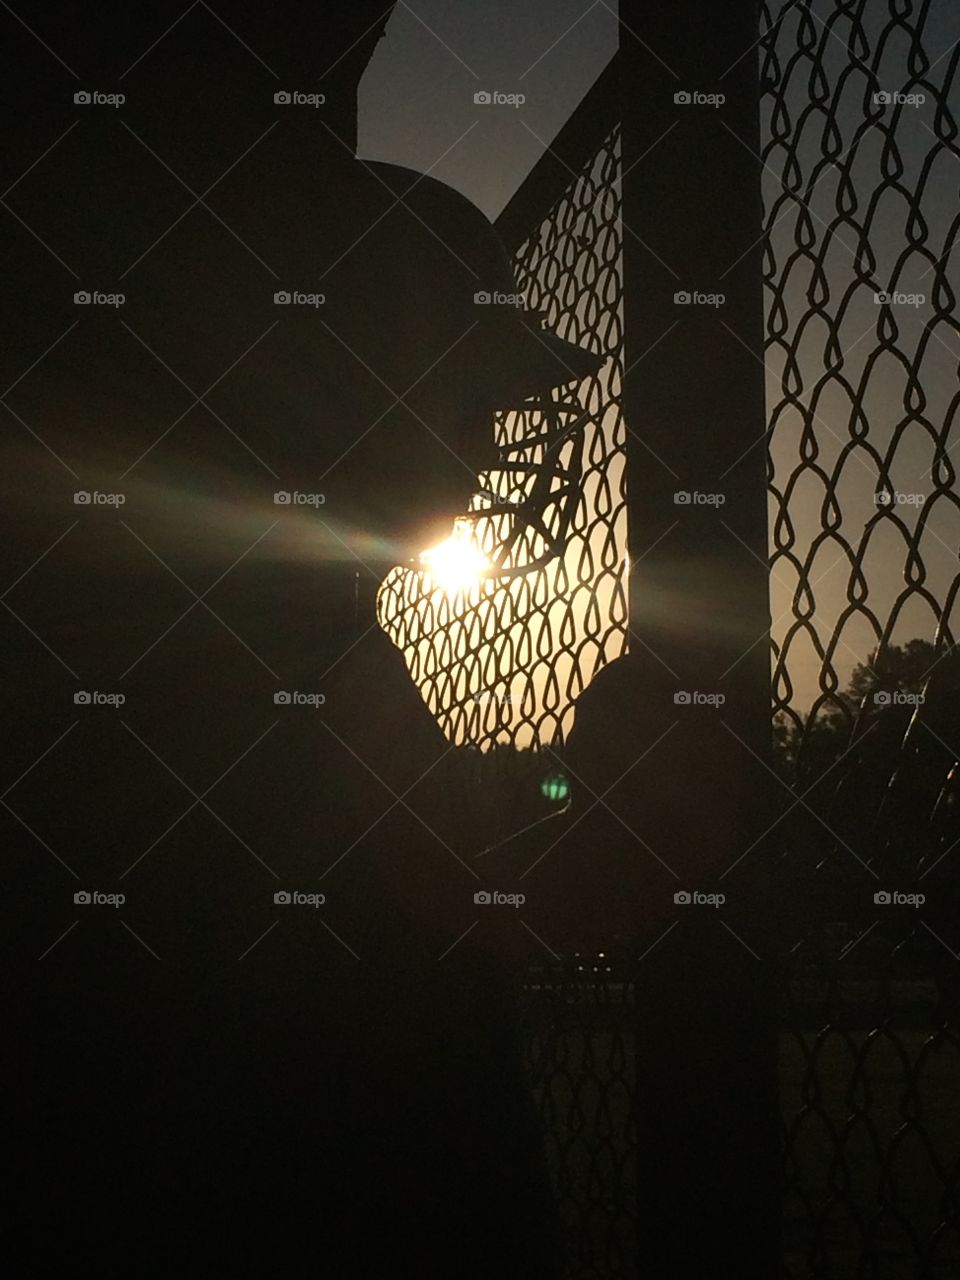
417 98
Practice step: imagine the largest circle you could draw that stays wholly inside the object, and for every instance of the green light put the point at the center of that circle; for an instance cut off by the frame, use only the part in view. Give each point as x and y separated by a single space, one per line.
555 787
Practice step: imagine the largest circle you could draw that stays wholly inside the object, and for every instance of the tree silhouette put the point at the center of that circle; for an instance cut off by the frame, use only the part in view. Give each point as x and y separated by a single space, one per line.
888 685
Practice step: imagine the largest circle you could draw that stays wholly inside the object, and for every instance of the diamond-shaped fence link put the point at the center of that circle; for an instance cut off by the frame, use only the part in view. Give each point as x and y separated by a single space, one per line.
860 180
503 662
580 1025
860 154
501 665
862 337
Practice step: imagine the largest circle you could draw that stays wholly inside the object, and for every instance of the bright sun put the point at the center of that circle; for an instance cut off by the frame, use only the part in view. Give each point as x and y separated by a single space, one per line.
457 564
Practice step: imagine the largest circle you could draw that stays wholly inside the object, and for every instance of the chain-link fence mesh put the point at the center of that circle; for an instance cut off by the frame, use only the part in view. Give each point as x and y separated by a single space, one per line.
860 179
502 661
580 1022
860 176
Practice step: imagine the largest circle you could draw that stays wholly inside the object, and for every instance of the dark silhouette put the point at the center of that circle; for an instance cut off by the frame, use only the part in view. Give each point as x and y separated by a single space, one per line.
204 1078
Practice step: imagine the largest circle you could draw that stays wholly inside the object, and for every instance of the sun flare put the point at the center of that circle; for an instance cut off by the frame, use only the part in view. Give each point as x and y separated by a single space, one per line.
457 563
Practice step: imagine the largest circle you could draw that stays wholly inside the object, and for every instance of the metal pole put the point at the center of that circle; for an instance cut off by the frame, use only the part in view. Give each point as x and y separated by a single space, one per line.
694 405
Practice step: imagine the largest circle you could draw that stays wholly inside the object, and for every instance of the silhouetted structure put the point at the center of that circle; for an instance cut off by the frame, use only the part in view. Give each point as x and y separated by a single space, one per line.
208 1077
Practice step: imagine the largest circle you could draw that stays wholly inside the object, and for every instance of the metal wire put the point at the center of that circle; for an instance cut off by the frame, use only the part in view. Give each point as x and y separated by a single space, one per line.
501 665
580 1022
504 662
862 391
859 101
862 355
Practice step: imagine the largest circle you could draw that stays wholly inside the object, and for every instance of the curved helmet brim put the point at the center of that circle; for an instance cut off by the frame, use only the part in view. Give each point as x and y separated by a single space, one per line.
552 360
520 359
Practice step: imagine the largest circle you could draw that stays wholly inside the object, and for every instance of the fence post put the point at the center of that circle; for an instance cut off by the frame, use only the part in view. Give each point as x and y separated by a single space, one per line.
695 411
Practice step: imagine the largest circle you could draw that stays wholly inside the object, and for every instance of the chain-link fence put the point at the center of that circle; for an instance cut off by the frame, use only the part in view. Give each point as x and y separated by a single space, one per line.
581 1025
860 181
862 336
860 177
503 660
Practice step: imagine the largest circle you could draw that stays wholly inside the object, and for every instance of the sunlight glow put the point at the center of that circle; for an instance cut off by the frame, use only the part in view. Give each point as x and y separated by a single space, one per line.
458 563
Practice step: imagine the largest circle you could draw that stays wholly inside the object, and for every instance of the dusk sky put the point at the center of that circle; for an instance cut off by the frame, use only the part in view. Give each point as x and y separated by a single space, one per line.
416 100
